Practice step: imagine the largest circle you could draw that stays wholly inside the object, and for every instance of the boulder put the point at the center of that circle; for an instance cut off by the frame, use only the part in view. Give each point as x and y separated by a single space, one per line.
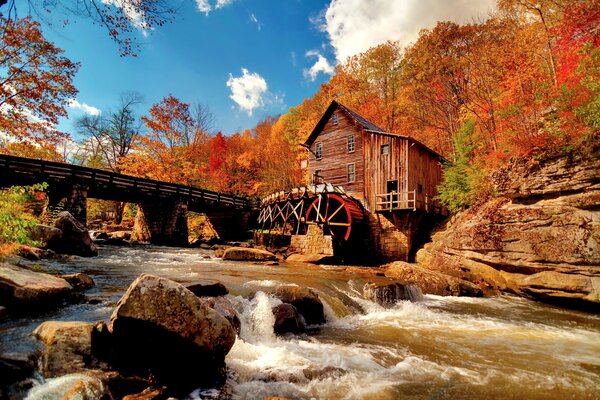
68 346
288 319
207 288
388 294
224 307
248 254
431 282
45 234
69 387
22 288
305 300
15 367
161 327
75 238
568 289
79 281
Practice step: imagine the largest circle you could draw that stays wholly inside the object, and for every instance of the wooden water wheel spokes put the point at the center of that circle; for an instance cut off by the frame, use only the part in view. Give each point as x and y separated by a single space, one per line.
333 212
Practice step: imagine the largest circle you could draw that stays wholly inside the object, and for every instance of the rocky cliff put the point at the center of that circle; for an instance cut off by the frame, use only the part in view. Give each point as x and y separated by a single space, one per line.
539 238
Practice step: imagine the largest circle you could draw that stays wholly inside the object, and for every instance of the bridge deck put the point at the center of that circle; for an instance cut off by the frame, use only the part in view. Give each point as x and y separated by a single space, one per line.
109 185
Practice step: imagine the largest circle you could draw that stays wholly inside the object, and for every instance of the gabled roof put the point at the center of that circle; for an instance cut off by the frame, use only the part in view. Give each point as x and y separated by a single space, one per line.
367 125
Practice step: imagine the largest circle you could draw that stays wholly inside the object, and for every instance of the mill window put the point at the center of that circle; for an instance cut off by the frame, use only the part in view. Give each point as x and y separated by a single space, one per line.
385 149
334 119
351 173
351 143
319 151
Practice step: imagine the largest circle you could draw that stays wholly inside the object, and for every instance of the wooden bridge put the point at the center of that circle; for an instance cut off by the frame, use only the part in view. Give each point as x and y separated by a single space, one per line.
70 186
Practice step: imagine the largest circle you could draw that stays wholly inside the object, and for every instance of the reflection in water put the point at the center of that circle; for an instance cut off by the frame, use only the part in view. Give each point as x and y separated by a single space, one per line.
441 347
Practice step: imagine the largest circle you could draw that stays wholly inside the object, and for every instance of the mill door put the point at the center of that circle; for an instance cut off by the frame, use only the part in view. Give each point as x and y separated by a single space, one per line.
392 191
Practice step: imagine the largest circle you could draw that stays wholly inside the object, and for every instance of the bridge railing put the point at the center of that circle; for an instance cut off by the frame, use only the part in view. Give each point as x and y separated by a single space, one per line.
50 170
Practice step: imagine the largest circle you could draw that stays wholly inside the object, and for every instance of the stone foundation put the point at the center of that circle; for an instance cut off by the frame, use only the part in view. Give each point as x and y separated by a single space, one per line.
314 242
390 236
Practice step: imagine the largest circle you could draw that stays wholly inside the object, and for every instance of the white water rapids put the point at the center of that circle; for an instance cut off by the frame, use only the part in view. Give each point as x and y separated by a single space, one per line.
437 348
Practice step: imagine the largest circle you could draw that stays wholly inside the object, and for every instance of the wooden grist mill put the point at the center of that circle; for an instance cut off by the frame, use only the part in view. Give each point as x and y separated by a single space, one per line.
329 208
373 193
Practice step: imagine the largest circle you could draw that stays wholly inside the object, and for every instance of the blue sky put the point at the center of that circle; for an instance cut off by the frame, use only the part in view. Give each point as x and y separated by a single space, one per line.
244 59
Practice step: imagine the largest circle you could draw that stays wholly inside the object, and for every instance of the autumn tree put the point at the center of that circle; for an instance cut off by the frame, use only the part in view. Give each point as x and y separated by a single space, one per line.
36 84
121 19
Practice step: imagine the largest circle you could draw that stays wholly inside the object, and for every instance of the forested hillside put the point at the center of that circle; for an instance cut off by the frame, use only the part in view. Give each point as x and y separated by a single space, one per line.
524 82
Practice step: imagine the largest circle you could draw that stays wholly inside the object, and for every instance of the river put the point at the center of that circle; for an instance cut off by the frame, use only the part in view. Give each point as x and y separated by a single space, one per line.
438 348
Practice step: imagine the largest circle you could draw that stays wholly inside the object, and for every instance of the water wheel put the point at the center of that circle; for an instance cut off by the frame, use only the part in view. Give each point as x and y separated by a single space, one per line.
335 214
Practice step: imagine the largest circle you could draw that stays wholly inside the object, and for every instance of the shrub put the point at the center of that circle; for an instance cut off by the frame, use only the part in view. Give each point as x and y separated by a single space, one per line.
16 216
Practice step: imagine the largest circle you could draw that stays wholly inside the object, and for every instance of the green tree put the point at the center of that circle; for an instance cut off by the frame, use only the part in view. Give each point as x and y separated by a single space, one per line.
16 216
462 179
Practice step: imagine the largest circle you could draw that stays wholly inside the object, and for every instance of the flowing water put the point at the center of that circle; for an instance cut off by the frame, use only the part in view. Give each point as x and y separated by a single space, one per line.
437 348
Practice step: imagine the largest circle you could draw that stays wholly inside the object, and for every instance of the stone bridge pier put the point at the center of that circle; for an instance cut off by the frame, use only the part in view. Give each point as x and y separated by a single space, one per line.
64 196
162 223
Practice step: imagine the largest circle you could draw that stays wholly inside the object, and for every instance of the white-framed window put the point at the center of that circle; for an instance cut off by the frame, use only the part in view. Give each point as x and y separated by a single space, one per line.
385 149
351 172
334 119
319 151
351 143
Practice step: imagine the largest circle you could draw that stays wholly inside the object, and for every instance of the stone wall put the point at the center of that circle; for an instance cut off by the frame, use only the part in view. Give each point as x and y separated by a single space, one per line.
390 236
314 242
164 223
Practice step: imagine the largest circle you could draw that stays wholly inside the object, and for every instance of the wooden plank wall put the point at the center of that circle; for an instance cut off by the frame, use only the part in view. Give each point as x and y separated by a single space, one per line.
425 169
383 168
336 156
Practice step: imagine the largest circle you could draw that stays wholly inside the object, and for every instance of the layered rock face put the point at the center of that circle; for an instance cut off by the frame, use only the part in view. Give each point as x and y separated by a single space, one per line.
539 238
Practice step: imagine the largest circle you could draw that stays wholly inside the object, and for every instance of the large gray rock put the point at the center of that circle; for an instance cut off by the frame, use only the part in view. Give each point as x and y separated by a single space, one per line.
75 237
68 346
162 327
22 288
246 254
305 300
545 224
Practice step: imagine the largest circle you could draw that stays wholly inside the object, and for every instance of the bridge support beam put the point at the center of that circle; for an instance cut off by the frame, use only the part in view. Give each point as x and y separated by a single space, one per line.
230 224
65 197
162 223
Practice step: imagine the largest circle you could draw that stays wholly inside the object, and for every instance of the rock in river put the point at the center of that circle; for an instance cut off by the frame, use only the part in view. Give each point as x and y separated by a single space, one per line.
75 237
162 327
305 300
22 288
68 346
288 319
387 294
246 254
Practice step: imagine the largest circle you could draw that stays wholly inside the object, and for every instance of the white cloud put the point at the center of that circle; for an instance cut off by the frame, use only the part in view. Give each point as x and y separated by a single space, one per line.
247 90
354 26
256 21
321 65
203 6
91 110
223 3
